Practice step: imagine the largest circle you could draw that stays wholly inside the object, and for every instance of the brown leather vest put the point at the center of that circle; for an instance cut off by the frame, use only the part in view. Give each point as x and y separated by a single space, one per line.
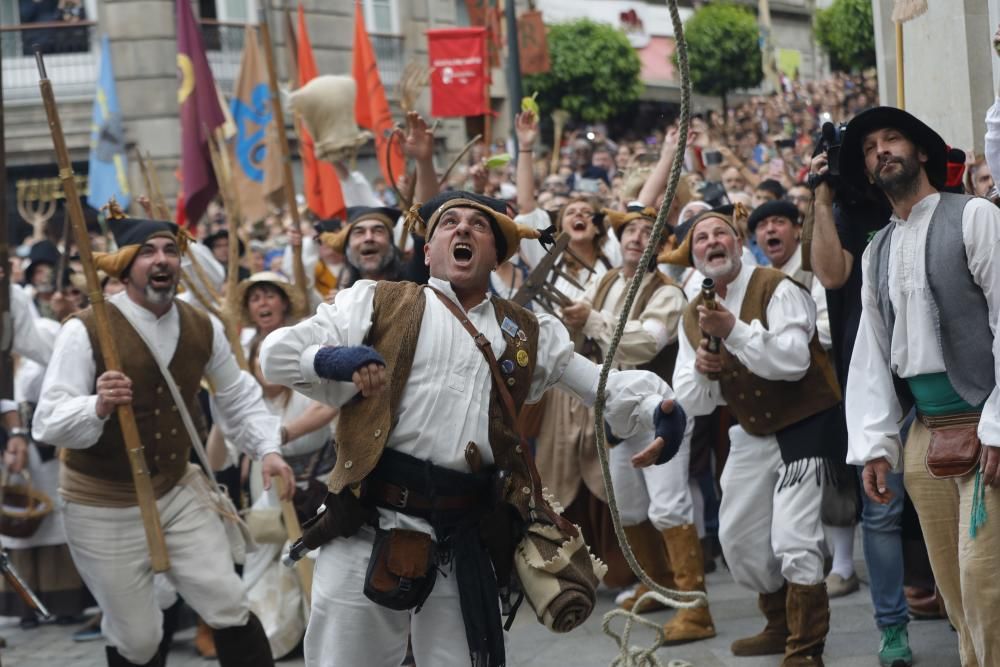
165 441
764 407
365 424
665 360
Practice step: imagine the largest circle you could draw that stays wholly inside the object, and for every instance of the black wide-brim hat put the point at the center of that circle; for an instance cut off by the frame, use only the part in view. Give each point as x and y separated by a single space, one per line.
775 207
852 159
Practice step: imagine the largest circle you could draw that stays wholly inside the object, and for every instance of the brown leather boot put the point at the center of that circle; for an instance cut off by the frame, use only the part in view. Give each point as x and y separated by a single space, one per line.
204 640
647 545
771 640
684 548
808 610
244 645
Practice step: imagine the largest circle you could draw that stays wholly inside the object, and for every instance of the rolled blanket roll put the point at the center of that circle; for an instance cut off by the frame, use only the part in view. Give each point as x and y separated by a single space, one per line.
559 576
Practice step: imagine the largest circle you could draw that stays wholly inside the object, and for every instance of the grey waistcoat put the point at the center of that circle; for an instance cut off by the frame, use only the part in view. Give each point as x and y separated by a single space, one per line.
961 316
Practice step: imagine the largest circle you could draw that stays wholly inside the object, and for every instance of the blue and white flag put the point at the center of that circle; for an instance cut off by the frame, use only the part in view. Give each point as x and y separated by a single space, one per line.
108 169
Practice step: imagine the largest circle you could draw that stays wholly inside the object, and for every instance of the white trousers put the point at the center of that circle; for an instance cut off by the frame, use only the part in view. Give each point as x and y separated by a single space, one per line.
770 535
658 493
346 629
109 549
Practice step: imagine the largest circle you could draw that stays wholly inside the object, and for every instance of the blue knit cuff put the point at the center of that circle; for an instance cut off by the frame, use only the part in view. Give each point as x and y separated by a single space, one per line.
339 363
671 428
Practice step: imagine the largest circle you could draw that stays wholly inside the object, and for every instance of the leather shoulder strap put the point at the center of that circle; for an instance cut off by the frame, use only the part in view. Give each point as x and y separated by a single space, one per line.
484 346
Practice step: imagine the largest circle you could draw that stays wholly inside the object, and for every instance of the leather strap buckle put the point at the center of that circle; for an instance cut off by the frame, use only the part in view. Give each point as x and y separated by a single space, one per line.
400 501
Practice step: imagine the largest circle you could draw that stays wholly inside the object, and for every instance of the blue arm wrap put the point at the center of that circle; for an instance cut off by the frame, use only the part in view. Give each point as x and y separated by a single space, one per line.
339 363
671 428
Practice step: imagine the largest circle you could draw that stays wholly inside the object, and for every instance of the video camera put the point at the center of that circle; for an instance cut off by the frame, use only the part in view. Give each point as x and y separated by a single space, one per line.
831 138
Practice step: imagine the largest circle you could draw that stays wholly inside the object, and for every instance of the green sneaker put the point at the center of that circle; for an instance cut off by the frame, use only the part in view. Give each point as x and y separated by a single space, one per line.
894 649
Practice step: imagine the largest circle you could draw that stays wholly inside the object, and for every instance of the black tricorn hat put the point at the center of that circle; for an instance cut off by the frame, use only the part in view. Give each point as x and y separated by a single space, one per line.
355 213
41 253
210 240
135 231
779 207
852 160
329 225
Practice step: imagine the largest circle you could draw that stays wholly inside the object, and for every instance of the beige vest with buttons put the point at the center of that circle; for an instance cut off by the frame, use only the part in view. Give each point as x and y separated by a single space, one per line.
165 441
763 407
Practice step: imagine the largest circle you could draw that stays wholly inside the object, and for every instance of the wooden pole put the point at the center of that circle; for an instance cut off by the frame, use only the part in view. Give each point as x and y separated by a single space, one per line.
159 559
900 87
230 308
6 321
304 567
298 268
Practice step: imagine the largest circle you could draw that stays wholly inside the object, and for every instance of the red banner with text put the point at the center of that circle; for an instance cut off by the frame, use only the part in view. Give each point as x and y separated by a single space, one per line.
458 71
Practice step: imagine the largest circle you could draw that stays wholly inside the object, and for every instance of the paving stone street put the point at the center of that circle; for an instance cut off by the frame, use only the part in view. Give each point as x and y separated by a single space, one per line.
853 640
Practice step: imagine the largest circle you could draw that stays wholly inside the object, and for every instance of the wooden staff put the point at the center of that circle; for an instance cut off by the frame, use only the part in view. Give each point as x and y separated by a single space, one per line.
159 558
303 567
152 182
6 321
230 309
298 268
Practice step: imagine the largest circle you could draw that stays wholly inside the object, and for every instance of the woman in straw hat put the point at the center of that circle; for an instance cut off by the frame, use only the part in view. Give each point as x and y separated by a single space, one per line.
268 302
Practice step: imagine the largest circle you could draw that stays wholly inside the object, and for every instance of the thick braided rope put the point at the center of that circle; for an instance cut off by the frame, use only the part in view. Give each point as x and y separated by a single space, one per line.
672 598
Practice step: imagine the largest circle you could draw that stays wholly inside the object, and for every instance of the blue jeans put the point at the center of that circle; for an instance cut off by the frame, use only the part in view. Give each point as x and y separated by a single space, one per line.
883 546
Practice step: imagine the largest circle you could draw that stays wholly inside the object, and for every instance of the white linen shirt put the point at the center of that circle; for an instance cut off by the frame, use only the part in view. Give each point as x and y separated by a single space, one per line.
779 352
818 293
645 333
67 411
873 411
29 341
445 402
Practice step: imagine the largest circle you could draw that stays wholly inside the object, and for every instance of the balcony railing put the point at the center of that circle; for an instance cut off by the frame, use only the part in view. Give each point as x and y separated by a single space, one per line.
70 59
389 54
224 48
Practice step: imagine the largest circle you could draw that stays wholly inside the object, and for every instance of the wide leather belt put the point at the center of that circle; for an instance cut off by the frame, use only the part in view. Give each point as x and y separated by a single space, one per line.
403 499
949 421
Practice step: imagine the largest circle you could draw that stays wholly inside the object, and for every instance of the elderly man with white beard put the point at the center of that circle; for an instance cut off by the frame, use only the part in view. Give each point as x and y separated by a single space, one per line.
778 383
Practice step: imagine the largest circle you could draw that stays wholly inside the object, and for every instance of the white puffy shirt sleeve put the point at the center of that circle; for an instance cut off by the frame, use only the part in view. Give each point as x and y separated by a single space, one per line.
66 415
631 397
696 393
531 250
239 401
781 351
29 340
981 237
872 407
992 139
287 355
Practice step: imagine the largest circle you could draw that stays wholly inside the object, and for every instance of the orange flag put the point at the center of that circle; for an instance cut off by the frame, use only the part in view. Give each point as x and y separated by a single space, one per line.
371 108
322 185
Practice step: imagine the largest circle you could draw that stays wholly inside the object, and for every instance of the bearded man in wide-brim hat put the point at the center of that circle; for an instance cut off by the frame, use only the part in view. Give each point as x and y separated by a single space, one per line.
927 339
77 411
416 395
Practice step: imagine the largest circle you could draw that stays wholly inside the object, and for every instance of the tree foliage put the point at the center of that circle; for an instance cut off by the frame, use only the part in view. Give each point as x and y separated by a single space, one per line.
723 49
594 74
846 31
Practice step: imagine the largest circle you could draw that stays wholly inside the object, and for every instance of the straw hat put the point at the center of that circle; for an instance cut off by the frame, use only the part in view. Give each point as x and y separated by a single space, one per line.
296 309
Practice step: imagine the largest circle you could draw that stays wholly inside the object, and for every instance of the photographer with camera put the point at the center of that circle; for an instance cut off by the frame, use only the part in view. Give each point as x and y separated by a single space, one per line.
842 228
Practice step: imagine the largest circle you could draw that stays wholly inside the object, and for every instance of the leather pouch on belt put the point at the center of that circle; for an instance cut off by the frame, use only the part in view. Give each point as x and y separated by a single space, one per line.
953 452
401 572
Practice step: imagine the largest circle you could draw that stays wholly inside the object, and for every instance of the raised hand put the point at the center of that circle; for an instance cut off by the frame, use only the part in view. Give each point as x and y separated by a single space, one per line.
526 126
418 140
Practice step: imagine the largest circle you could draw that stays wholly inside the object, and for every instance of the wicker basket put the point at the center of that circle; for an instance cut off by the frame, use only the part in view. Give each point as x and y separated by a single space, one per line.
22 507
